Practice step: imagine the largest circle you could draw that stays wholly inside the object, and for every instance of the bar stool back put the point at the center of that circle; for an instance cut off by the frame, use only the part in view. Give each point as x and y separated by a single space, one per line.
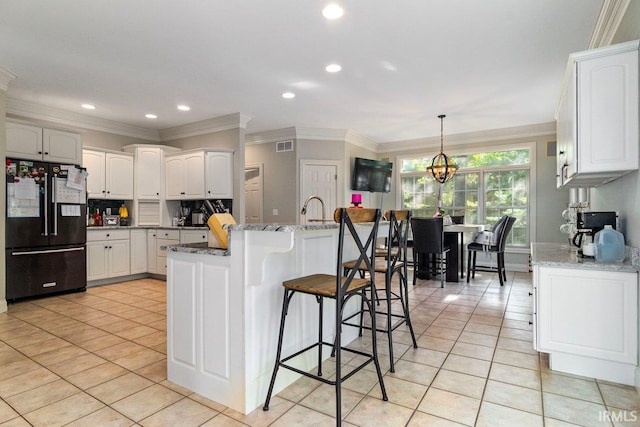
340 289
395 263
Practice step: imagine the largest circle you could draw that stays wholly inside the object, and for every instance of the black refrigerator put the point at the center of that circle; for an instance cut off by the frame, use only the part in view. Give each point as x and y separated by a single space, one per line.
46 230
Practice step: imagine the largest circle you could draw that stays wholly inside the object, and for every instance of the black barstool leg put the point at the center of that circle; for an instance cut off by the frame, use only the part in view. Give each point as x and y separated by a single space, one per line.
500 269
320 310
405 306
469 264
338 357
374 348
387 280
285 308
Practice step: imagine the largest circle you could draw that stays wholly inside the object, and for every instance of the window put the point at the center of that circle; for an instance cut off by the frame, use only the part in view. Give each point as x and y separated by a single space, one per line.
487 185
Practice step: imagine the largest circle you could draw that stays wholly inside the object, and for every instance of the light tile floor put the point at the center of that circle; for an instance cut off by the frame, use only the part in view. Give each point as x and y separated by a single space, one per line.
99 358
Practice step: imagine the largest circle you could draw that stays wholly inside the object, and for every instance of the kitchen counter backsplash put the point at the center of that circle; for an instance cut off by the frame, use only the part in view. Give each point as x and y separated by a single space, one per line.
564 256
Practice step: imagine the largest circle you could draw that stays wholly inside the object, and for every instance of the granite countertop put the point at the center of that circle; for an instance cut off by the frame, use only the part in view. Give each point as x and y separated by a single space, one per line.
565 256
328 225
144 227
200 248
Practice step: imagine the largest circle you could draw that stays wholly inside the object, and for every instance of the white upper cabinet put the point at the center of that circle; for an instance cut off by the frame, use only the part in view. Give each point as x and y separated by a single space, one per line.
184 175
148 176
219 171
36 143
110 175
597 117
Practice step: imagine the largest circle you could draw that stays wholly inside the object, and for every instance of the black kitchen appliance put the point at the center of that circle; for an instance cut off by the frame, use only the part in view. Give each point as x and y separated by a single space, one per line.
589 223
45 228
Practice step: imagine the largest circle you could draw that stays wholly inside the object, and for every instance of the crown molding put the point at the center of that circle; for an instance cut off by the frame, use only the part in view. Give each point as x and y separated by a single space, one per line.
527 131
25 109
608 22
5 78
317 134
270 136
33 111
361 141
216 124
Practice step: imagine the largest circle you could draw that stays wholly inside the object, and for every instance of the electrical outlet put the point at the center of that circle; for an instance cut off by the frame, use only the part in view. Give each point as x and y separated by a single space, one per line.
275 212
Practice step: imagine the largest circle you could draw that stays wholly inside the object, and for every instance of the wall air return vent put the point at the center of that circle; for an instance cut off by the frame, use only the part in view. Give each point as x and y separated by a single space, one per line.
284 146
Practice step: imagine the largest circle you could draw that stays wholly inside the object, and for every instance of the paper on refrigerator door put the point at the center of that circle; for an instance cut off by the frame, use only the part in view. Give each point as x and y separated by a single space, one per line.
66 194
22 199
26 188
76 179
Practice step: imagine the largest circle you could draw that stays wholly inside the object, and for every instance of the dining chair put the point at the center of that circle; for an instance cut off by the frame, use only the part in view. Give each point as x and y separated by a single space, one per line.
500 230
393 263
340 289
428 241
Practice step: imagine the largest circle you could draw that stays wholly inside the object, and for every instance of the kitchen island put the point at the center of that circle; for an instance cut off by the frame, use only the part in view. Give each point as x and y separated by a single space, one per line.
223 309
586 313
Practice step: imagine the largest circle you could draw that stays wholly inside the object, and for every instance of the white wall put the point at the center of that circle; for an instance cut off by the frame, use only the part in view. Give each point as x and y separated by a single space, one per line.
3 198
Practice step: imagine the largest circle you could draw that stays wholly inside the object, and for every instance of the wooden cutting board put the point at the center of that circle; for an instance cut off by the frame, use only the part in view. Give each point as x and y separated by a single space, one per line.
218 236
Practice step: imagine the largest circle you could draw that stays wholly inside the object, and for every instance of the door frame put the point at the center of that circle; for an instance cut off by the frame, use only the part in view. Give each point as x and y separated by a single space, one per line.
339 181
260 168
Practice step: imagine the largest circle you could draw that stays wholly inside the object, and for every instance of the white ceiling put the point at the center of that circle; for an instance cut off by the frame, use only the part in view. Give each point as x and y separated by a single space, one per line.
488 64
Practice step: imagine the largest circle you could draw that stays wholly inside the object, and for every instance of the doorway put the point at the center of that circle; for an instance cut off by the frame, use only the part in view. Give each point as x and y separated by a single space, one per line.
320 178
253 194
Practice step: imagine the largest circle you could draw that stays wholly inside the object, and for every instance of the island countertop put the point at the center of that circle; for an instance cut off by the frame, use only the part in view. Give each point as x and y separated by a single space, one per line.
564 256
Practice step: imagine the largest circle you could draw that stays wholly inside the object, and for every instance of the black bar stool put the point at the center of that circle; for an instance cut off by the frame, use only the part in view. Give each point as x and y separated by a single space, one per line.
340 289
395 255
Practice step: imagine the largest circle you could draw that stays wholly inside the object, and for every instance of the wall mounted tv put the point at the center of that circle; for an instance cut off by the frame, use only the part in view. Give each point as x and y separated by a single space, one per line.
371 175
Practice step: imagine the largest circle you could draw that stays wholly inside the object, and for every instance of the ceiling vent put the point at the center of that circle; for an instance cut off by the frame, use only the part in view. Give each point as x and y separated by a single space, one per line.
284 146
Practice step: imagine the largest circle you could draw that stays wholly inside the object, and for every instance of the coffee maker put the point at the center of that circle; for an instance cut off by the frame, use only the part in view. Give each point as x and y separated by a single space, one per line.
589 223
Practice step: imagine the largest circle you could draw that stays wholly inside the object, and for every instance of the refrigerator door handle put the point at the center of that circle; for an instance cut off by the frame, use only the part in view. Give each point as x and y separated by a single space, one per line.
47 251
55 205
45 203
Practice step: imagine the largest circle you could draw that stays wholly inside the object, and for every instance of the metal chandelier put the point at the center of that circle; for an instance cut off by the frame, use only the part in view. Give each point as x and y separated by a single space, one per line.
442 167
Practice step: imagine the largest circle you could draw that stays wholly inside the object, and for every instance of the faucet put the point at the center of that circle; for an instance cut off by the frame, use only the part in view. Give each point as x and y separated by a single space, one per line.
306 202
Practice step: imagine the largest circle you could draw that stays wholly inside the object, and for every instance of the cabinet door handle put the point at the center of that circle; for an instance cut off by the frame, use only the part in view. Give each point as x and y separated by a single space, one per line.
39 152
561 152
106 247
530 294
46 153
107 235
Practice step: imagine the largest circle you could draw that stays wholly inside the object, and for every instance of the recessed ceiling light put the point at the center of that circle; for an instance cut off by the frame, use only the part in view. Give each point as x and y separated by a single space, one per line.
89 106
288 95
184 108
333 68
332 11
151 116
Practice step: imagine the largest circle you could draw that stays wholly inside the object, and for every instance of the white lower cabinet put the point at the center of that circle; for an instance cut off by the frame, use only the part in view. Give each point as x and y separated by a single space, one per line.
138 251
122 252
108 254
164 237
151 251
587 320
194 236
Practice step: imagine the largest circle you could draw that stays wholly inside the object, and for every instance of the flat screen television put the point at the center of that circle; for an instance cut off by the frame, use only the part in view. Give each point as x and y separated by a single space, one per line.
371 175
